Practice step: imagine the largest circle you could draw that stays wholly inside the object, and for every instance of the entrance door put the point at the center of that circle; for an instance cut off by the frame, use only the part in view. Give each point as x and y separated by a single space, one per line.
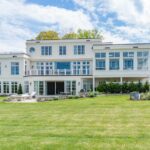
50 88
59 87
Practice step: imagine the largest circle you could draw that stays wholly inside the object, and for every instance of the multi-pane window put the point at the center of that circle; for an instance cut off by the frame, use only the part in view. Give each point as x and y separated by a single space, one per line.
77 68
100 61
46 50
15 68
70 87
114 60
142 60
40 68
87 85
39 87
86 67
100 55
114 64
79 49
0 88
0 68
26 86
14 87
6 87
48 68
62 50
100 64
128 60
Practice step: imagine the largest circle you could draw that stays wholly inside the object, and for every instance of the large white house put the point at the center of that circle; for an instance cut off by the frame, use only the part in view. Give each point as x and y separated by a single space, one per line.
51 67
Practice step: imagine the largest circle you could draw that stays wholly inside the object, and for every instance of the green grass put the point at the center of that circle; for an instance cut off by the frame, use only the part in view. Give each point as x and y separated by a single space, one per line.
101 123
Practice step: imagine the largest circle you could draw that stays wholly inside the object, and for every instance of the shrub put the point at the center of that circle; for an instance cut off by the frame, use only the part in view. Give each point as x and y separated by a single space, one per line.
20 89
125 87
145 96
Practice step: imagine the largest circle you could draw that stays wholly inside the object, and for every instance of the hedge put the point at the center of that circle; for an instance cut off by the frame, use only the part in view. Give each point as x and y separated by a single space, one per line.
122 88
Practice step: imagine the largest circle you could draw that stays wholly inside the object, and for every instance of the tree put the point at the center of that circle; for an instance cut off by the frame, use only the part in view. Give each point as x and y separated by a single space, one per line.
70 35
89 34
47 35
20 89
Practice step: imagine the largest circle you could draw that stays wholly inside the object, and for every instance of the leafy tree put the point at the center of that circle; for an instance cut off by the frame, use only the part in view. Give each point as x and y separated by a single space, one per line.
89 34
70 35
20 89
47 35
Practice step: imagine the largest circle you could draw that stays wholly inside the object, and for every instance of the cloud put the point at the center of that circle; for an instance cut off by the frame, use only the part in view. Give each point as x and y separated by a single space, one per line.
21 21
127 20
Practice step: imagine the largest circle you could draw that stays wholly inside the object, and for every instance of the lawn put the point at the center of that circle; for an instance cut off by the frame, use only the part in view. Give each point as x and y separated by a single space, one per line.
101 123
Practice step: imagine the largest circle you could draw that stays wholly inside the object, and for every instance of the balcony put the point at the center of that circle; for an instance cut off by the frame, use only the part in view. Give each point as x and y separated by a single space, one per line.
59 72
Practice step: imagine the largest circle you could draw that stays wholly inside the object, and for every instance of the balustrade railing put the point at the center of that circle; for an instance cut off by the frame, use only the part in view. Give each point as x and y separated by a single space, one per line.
59 72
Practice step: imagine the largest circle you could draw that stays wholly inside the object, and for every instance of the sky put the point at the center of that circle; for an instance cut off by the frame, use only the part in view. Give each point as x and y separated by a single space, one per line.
120 21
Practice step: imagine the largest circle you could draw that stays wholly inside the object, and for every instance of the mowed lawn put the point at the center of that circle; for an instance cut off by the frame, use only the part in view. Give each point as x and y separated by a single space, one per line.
101 123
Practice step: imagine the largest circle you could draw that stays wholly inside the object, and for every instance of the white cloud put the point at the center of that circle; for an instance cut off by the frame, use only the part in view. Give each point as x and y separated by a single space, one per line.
134 14
21 21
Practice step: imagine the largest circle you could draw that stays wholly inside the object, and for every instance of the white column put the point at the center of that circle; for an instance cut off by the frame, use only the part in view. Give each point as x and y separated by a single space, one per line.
121 80
121 61
93 84
135 60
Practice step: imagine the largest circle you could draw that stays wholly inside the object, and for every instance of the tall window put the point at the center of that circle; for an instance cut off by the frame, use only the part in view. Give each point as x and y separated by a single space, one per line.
77 68
114 60
128 60
40 68
62 50
70 87
14 87
26 86
49 68
46 50
39 87
6 87
142 60
0 68
100 61
15 68
86 67
0 88
79 49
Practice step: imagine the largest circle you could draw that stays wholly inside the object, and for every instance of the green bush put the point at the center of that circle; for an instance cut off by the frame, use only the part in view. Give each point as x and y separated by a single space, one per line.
20 89
145 96
122 88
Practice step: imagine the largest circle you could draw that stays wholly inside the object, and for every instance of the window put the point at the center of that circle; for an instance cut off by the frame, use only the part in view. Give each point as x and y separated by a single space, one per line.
70 87
0 88
49 68
46 50
87 85
114 64
100 55
14 87
77 68
32 50
142 60
6 87
86 67
114 54
26 86
79 49
0 68
40 68
62 50
100 65
128 64
128 54
128 60
14 68
63 65
39 87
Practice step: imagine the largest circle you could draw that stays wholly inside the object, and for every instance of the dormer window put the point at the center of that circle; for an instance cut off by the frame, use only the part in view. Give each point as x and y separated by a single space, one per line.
32 50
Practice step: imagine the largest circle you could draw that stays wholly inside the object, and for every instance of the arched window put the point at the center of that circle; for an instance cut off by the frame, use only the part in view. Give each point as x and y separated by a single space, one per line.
32 50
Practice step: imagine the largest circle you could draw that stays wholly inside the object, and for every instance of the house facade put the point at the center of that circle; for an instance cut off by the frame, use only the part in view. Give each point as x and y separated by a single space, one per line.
52 67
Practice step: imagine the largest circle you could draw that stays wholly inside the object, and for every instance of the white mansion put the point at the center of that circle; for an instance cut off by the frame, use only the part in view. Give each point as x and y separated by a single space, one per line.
51 67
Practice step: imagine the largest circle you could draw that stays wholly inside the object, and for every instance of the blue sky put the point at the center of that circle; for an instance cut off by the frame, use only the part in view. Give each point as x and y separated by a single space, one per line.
120 21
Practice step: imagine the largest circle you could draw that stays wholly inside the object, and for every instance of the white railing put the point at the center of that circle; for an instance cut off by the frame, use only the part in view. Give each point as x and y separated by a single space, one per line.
59 72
